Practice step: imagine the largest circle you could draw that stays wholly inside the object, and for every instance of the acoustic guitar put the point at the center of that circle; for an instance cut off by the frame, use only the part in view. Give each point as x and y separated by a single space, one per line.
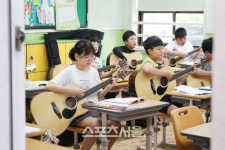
198 81
154 87
134 59
121 63
56 111
60 67
173 62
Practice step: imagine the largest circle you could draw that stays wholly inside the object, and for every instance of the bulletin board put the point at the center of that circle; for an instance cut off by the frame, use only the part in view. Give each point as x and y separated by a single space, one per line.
54 14
39 13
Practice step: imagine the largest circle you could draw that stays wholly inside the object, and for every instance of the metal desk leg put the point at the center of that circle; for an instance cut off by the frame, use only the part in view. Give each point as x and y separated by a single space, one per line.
149 134
191 102
104 140
156 130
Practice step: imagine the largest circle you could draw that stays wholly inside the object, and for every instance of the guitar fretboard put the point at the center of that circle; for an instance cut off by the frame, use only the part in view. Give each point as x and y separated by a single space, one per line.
139 61
105 68
179 74
94 89
192 52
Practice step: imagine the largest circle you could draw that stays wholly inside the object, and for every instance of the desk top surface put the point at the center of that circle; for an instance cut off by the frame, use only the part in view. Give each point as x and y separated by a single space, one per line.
202 96
138 106
202 131
32 144
32 134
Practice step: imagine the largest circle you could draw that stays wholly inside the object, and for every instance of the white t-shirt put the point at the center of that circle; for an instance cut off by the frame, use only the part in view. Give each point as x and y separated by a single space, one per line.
188 47
85 80
97 62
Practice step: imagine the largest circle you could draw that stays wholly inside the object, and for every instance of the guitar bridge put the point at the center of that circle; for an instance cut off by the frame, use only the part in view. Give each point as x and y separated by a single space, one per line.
56 110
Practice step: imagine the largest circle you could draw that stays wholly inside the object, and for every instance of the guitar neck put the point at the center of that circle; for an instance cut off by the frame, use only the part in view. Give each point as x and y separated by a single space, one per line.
181 73
139 61
192 52
105 68
94 89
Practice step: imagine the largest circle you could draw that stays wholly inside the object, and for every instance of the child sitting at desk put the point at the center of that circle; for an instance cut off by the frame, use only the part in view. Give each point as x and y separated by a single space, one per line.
206 69
86 77
180 45
97 62
130 40
154 48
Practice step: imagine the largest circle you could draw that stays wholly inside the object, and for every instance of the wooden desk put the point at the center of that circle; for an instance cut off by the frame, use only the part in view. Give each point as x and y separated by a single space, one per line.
197 100
38 133
32 144
34 90
147 108
200 135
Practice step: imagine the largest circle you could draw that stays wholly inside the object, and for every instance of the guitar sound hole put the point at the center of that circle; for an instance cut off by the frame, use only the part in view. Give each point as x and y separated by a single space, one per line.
172 62
163 81
70 102
133 63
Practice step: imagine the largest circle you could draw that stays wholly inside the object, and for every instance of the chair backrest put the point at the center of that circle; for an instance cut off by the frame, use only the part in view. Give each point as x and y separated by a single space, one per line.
183 118
58 68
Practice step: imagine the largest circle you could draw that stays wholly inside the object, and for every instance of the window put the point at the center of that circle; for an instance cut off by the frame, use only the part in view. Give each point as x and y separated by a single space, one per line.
164 24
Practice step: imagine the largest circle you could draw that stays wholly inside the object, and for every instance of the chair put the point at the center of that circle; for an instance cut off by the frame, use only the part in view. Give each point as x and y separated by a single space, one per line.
183 118
164 125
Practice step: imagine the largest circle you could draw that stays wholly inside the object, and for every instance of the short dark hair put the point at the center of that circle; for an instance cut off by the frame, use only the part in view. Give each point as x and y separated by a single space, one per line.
91 37
127 34
82 46
180 33
207 45
152 42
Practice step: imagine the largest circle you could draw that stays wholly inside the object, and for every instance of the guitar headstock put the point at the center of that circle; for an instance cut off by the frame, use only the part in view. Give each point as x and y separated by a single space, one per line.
31 67
122 63
123 73
203 61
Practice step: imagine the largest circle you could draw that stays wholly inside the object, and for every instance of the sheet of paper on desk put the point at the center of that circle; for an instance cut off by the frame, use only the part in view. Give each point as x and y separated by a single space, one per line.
186 63
31 129
29 83
207 88
191 90
127 101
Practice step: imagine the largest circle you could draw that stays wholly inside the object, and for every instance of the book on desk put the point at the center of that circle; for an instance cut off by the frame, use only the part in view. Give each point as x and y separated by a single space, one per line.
190 90
114 103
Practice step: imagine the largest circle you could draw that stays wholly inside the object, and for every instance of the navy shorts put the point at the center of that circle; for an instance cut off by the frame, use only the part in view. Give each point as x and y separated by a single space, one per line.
76 120
167 98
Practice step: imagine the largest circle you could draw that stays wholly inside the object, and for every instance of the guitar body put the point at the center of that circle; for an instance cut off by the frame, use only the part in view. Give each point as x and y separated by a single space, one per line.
59 68
196 81
68 107
113 59
140 84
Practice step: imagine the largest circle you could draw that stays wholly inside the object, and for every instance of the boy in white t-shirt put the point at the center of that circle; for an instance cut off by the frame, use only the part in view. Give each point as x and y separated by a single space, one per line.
86 77
180 46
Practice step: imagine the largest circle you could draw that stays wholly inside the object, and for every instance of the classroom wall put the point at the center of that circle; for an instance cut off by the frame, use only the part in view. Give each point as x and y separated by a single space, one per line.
109 14
114 18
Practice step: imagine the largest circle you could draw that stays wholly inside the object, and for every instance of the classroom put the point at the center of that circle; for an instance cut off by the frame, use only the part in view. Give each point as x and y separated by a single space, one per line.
42 35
